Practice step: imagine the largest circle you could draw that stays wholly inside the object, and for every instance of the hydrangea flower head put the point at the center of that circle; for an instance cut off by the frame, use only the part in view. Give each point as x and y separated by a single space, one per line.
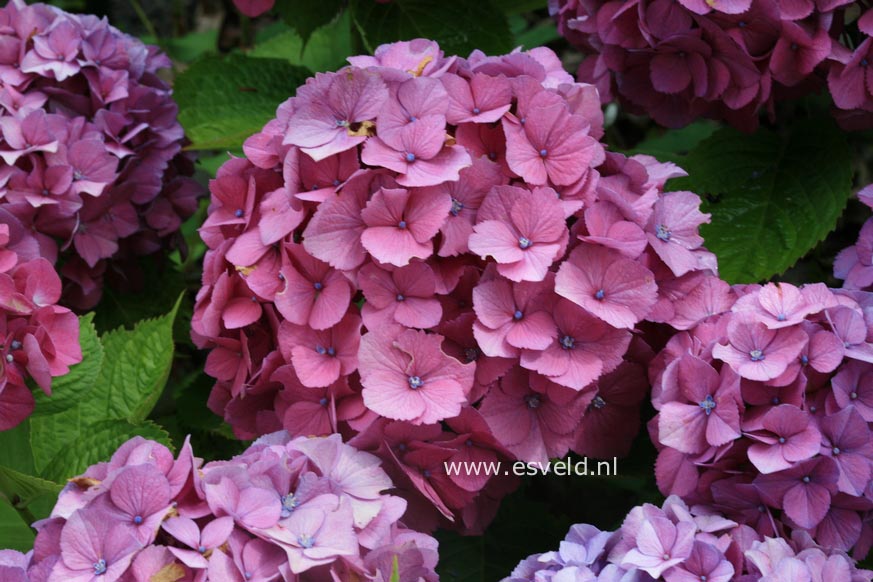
282 508
91 149
437 257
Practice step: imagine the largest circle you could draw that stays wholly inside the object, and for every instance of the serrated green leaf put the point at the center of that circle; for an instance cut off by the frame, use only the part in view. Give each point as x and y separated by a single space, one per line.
772 198
326 50
98 444
15 534
459 26
69 389
306 17
223 100
23 489
136 368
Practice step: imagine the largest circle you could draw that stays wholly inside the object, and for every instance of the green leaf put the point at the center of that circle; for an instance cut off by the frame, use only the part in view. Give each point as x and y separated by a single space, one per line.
15 534
69 389
15 450
306 17
459 26
326 50
772 198
136 368
98 444
673 145
23 489
223 100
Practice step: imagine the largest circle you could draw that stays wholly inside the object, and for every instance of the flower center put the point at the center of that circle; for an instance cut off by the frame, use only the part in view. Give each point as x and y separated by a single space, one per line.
544 152
517 315
305 540
599 295
781 440
663 233
707 404
239 213
524 242
99 567
410 157
323 401
567 342
471 354
400 297
532 401
806 479
457 207
318 285
137 519
598 402
756 355
401 225
836 450
415 382
476 111
289 504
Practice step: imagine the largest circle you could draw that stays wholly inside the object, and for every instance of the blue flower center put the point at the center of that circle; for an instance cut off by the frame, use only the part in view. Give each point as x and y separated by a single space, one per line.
202 549
401 225
323 401
517 315
781 440
836 450
544 152
476 111
599 295
524 242
567 342
410 157
415 382
137 519
663 233
457 207
533 401
331 351
99 567
806 479
400 297
289 504
320 349
756 355
804 360
15 345
239 213
707 404
305 540
781 317
598 402
318 285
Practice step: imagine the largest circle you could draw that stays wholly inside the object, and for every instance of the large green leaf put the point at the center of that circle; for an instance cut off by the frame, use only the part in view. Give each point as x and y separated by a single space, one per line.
69 389
97 444
306 17
223 100
132 378
772 197
459 26
137 364
15 534
326 49
23 489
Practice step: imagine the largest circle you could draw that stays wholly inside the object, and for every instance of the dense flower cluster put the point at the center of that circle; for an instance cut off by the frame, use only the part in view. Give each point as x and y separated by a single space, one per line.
419 239
764 411
286 509
90 145
678 60
676 543
38 339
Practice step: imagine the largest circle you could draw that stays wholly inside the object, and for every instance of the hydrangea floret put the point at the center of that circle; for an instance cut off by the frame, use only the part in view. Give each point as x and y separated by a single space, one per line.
90 155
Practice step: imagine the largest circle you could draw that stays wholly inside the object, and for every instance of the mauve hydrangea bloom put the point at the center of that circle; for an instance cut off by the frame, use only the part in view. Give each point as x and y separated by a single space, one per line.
764 412
675 543
284 510
678 60
437 258
39 339
854 264
91 149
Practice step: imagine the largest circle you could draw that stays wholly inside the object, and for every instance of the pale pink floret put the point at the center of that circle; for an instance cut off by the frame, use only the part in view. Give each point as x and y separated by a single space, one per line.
524 231
758 353
408 377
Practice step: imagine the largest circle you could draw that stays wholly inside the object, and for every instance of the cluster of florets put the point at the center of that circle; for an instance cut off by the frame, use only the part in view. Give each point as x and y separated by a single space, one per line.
854 264
286 509
726 59
678 544
38 339
90 145
419 239
764 411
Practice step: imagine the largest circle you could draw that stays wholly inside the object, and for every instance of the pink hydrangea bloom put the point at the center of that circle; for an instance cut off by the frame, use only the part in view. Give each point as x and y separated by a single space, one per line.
414 237
283 507
92 152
